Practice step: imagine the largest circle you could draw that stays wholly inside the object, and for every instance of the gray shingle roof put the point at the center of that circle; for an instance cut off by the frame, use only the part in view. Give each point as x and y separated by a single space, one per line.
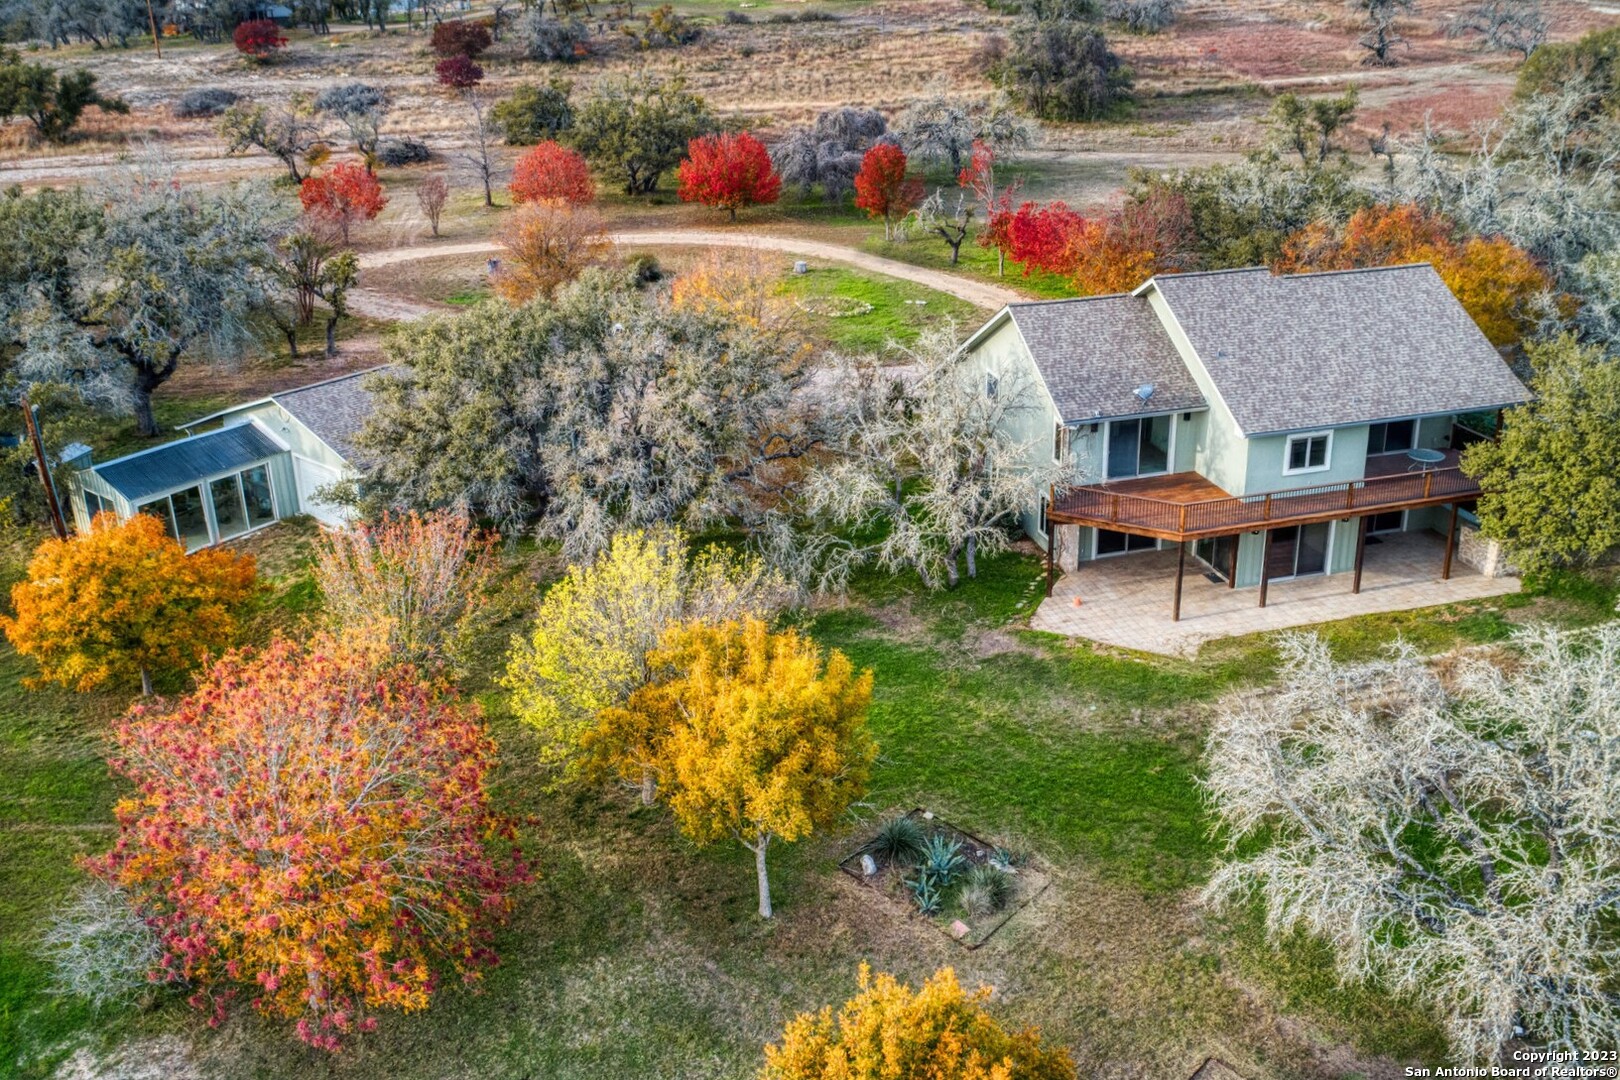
187 461
1094 352
1321 350
334 410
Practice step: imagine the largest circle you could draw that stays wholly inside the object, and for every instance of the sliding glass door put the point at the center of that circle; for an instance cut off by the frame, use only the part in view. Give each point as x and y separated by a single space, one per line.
1139 447
1299 550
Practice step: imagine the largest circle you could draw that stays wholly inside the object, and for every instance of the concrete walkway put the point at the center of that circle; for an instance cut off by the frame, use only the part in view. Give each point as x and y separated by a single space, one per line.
1125 601
985 295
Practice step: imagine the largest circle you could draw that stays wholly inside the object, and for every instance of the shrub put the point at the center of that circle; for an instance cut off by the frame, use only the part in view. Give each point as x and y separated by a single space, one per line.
986 890
535 113
645 267
560 41
420 582
1066 71
662 27
461 38
736 18
925 894
258 39
99 947
899 841
458 73
394 153
205 101
890 1032
812 16
1142 16
551 172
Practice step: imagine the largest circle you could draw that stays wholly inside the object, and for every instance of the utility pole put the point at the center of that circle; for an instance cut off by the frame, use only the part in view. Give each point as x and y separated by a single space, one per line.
31 422
151 17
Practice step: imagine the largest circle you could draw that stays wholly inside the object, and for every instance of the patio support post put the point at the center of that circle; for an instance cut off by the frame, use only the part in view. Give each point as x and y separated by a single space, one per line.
1265 566
1051 546
1451 545
1231 578
1181 569
1361 553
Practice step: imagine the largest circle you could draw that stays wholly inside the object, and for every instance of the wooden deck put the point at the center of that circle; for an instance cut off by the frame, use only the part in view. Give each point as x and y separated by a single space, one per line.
1187 506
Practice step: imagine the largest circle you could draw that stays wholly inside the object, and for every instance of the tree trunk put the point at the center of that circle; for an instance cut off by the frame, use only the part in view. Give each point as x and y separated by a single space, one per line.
489 196
649 786
764 878
952 576
733 210
146 683
972 553
291 334
331 337
145 422
1001 263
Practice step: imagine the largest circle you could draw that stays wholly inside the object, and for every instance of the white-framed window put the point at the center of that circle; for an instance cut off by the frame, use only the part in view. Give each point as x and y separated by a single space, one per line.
1046 521
1391 437
1309 452
1060 441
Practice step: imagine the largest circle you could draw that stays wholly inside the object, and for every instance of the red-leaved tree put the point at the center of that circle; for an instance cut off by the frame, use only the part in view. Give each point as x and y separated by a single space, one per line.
882 187
995 201
551 172
1043 237
458 72
727 172
1108 254
343 195
461 37
258 39
312 827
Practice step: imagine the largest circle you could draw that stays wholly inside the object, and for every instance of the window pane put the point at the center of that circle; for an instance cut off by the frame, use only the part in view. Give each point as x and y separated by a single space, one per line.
1122 445
159 509
1401 435
92 504
256 486
1155 456
1318 454
188 517
1296 454
226 495
1375 438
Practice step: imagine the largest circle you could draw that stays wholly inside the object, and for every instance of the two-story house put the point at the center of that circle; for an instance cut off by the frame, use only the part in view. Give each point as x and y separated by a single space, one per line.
1264 425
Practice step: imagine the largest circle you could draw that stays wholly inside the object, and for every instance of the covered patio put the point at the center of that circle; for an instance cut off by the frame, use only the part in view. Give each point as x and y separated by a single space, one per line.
1123 599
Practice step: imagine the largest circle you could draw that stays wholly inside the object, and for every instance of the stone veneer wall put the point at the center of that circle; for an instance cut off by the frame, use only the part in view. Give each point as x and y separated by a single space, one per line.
1486 556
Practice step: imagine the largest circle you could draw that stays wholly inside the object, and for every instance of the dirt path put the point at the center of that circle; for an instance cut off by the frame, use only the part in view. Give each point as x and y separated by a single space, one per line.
983 294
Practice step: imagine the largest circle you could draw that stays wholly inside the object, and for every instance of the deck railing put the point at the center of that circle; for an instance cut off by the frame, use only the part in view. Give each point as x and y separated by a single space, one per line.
1099 505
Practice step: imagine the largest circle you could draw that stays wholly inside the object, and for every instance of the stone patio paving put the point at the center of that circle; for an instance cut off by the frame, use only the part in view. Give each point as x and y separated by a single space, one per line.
1126 600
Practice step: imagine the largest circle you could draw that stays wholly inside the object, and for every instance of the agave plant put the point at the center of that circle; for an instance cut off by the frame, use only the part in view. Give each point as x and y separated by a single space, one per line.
925 894
899 841
942 861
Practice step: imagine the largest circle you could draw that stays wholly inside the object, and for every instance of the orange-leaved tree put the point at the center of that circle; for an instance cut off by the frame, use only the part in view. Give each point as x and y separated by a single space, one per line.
889 1032
755 736
419 582
742 286
124 599
547 244
1112 253
343 195
727 172
1495 281
312 826
552 171
884 189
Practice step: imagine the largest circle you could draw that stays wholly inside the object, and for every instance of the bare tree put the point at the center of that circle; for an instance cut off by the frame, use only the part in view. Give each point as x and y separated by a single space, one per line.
483 135
943 127
1519 26
431 195
924 456
950 222
1461 843
1381 36
361 108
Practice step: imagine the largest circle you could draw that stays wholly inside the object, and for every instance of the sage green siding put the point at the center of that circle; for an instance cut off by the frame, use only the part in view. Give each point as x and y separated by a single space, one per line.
1221 452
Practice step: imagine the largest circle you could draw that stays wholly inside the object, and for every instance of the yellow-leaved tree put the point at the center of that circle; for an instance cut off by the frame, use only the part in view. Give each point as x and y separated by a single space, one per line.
757 737
593 630
124 599
890 1032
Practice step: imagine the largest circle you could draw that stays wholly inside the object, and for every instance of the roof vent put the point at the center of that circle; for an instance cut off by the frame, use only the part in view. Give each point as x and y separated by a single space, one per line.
1144 391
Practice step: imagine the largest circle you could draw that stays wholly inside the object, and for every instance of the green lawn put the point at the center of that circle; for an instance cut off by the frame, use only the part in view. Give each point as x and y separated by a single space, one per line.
634 954
899 309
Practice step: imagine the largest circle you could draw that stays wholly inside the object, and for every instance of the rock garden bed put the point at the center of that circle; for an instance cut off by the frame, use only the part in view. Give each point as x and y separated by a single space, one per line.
966 886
